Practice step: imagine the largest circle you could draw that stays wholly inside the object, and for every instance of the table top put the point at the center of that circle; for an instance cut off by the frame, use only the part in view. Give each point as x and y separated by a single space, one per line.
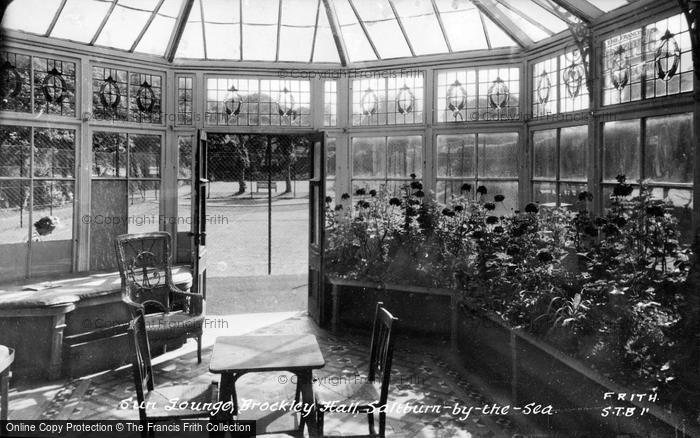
265 353
7 356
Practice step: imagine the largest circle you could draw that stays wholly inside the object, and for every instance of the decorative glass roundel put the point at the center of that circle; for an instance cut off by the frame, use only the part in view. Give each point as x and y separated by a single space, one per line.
573 78
499 94
285 103
543 88
405 100
110 95
10 81
54 86
456 99
619 73
145 98
233 102
667 56
369 102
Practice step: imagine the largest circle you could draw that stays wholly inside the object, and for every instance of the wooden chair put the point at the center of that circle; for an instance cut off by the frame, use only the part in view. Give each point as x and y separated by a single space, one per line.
152 401
7 356
147 285
373 393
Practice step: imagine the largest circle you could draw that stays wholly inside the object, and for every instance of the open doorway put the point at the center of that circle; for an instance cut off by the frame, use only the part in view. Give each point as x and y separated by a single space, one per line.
257 203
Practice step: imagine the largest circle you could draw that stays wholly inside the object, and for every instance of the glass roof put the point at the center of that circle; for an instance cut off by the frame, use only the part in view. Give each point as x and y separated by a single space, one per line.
325 31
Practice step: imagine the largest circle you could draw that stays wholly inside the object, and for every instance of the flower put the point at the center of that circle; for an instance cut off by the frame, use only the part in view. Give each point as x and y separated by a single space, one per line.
585 196
481 190
544 256
491 220
611 230
599 222
478 234
46 225
413 176
490 206
420 193
622 190
458 208
360 192
656 211
363 204
373 193
416 185
447 212
338 207
591 230
620 221
498 229
466 187
396 202
531 208
344 196
329 199
499 198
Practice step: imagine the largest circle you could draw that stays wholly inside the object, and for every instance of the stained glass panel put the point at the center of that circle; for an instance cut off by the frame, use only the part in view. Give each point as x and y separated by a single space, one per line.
544 87
185 98
15 85
54 86
573 91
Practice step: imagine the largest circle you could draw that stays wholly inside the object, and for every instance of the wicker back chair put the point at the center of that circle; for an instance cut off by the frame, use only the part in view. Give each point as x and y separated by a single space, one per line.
147 288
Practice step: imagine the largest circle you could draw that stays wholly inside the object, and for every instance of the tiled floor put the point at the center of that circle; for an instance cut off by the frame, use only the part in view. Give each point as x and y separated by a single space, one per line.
423 375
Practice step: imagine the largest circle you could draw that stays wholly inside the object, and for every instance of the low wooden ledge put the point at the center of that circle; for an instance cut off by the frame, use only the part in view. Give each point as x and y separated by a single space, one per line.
56 298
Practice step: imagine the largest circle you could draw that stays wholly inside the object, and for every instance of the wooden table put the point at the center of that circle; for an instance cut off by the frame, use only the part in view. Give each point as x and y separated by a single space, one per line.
234 356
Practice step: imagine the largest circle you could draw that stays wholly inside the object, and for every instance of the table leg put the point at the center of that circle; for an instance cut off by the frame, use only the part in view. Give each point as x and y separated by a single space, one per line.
4 389
305 378
227 393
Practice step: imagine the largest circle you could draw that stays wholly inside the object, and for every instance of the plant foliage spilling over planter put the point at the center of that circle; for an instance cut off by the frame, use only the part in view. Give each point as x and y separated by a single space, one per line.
608 290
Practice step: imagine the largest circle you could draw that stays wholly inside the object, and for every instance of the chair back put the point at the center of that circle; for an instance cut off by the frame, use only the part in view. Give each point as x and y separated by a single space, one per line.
382 349
145 268
141 361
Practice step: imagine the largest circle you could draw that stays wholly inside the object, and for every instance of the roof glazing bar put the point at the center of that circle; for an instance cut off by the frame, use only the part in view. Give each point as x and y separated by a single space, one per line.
104 22
364 29
488 7
55 17
403 30
442 25
581 8
146 26
176 35
335 29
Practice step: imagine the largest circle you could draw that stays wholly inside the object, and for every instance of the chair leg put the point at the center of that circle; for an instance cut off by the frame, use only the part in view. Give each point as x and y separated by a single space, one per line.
199 348
319 423
382 424
370 420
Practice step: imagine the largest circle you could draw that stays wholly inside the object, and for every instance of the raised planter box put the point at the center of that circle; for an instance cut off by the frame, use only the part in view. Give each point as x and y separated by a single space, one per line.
354 302
532 370
527 368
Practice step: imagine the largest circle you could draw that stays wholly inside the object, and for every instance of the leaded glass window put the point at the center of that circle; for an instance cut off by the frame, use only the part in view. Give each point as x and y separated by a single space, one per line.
264 102
544 87
330 103
49 82
395 100
648 62
385 161
185 98
121 95
478 94
488 159
573 91
184 182
559 165
54 86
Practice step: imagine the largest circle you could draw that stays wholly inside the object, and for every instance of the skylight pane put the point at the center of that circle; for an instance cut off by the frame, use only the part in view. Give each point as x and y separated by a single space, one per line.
295 43
223 40
530 29
356 43
497 37
155 40
325 49
300 12
422 27
192 43
425 34
607 5
41 11
455 23
221 11
259 42
80 20
146 5
170 8
344 12
122 28
388 39
537 14
373 10
260 11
